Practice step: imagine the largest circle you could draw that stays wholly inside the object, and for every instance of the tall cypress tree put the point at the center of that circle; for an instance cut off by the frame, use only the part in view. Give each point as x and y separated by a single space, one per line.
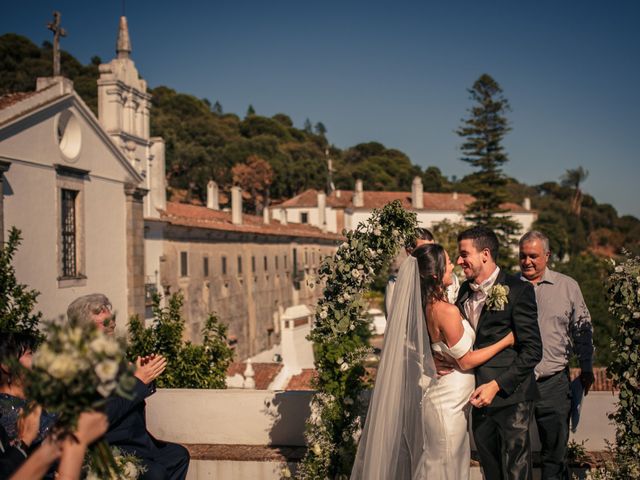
482 133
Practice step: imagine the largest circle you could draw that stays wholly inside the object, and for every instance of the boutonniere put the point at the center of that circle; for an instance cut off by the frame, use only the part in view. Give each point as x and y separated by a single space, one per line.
497 297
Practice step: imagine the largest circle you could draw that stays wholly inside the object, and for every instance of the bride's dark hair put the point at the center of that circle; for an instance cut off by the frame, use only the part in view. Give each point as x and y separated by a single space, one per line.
432 264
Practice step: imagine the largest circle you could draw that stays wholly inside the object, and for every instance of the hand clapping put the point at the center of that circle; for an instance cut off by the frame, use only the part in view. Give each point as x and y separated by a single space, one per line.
150 367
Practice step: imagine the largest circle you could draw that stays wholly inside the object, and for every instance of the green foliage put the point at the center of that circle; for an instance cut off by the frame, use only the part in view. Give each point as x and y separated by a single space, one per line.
17 301
591 272
483 133
21 62
434 181
379 168
333 428
189 365
624 369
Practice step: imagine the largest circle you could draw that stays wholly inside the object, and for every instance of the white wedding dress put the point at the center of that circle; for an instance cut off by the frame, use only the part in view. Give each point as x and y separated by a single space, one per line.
446 414
416 426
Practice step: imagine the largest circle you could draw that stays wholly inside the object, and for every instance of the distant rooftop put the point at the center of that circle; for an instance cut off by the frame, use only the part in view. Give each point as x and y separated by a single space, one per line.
203 217
374 199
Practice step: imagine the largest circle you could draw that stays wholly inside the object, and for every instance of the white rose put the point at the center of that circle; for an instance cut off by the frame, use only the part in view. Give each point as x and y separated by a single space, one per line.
344 245
62 367
355 273
104 345
131 471
286 473
43 357
323 314
377 232
75 335
344 367
317 450
107 370
105 389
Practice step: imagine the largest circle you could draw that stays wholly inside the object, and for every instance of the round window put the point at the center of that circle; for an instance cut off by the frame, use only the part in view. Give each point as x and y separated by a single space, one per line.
69 135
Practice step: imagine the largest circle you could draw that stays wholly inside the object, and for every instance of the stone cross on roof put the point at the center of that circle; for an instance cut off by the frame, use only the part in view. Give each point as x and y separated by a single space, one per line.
58 32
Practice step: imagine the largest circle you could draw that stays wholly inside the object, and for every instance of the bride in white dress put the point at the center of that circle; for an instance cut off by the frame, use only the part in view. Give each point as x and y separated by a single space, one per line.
416 426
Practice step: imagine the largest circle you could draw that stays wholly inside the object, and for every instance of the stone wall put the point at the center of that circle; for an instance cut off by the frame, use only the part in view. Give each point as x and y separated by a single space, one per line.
249 298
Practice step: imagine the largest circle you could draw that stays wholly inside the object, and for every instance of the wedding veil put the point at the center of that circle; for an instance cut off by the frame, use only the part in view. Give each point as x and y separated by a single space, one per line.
392 445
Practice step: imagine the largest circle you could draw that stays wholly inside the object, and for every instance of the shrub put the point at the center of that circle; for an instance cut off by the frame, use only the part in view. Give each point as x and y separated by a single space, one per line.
189 365
17 301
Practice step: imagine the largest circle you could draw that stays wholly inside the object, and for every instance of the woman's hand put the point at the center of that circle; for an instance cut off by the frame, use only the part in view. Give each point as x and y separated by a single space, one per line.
29 425
91 426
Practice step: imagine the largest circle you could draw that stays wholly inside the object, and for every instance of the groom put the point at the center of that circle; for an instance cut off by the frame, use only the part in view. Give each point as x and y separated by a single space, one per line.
495 304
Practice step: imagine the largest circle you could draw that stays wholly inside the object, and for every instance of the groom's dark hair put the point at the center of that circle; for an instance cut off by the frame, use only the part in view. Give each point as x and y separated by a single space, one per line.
482 237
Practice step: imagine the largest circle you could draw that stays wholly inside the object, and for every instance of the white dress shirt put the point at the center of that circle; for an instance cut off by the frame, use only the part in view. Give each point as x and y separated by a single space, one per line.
475 302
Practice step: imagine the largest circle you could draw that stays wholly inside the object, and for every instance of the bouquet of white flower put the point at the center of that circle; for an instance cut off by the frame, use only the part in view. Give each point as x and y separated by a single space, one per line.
75 370
130 467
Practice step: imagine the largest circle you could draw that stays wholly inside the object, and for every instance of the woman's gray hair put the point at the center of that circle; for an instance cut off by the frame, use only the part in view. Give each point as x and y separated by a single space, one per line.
82 308
536 235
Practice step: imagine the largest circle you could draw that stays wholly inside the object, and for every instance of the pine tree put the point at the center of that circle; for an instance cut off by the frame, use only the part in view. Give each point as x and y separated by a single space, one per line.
251 111
483 132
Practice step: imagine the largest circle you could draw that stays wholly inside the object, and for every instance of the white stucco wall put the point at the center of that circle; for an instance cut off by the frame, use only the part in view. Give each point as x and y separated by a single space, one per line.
32 204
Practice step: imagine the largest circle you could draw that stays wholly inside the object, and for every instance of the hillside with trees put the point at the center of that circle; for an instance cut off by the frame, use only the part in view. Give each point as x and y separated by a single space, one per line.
204 142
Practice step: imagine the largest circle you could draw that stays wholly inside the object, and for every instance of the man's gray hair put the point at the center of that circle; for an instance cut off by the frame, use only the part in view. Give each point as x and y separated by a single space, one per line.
82 308
536 235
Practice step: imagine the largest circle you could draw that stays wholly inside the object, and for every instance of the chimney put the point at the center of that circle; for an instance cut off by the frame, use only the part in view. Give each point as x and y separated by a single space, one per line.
236 205
322 205
358 196
526 203
212 195
455 195
266 218
417 197
283 216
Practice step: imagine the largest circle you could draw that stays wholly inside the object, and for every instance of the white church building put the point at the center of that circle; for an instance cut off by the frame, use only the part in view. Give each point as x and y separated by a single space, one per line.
74 185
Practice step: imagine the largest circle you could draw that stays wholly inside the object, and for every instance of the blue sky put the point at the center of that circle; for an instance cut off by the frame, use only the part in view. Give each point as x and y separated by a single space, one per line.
396 72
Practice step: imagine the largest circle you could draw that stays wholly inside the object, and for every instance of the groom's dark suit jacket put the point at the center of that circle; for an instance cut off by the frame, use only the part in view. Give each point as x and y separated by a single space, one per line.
513 367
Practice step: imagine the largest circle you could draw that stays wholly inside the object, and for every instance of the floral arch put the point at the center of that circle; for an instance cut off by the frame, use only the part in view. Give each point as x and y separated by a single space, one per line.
334 427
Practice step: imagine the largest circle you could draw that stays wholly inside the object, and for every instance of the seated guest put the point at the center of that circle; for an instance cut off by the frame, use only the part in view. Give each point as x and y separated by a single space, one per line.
127 425
17 347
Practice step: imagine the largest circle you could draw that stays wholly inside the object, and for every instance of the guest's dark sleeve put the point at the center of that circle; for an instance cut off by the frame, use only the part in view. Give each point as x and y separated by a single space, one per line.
528 342
10 457
117 407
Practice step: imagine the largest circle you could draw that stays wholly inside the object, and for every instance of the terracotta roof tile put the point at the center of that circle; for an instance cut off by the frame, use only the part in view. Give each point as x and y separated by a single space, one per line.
264 373
202 217
375 199
303 380
13 98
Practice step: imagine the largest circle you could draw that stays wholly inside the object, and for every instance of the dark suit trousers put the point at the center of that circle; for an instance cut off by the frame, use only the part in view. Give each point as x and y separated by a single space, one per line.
170 463
552 419
502 439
